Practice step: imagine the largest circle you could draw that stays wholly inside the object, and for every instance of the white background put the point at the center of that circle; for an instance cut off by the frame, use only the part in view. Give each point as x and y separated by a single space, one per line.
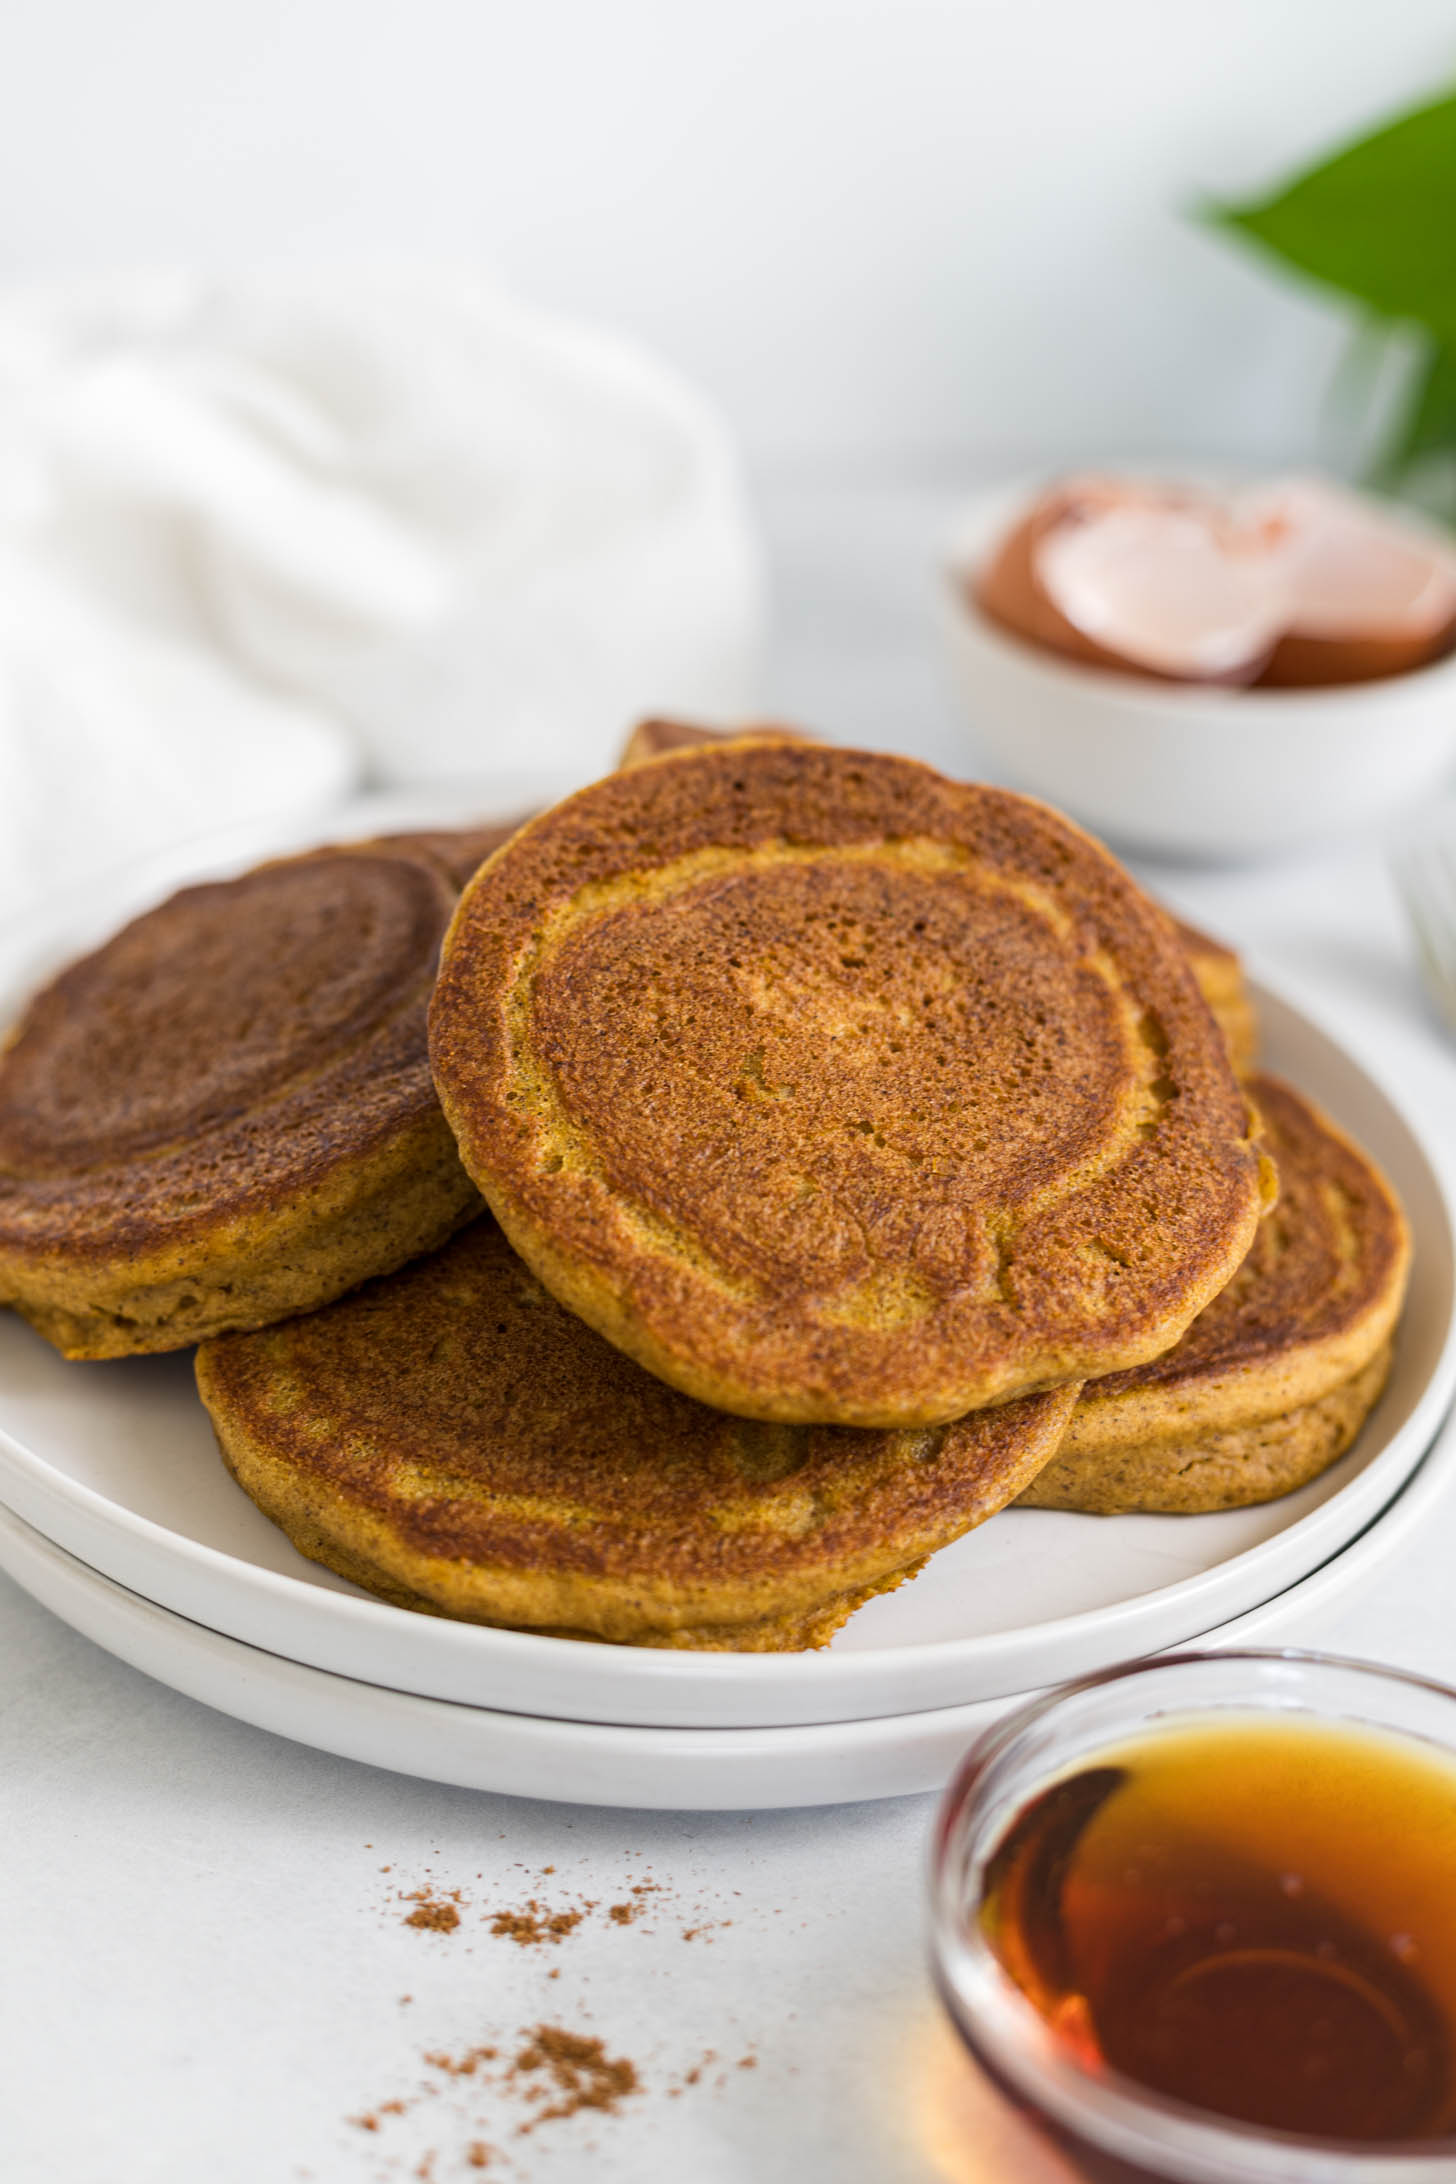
875 229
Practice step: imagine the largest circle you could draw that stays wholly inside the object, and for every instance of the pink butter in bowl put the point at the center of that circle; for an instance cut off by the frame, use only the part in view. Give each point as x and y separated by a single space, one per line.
1211 673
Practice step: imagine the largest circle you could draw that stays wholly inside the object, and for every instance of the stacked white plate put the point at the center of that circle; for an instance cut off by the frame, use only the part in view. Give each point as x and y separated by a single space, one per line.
116 1512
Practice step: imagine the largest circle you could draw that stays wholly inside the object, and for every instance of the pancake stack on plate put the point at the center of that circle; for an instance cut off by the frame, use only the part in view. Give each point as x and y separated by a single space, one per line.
864 1152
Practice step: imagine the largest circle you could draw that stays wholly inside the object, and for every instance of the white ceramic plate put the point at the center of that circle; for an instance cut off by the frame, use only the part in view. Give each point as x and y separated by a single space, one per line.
116 1463
703 1770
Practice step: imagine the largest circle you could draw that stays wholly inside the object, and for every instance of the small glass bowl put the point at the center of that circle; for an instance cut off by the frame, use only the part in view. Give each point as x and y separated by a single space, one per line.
1112 2127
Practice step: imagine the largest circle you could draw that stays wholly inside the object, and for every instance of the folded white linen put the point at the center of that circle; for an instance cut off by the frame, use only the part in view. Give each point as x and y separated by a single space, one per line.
116 740
260 536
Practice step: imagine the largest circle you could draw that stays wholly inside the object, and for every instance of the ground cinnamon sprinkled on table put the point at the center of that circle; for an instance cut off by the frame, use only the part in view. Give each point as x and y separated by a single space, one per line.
550 2073
436 1910
385 2108
435 1916
581 2070
553 2074
533 1924
462 2066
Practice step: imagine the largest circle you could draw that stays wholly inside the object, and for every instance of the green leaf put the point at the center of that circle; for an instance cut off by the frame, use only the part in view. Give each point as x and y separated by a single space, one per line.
1377 221
1429 427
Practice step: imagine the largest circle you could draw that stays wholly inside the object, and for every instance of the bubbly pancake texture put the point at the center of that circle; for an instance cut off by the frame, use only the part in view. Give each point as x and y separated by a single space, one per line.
225 1114
452 1439
1274 1379
834 1091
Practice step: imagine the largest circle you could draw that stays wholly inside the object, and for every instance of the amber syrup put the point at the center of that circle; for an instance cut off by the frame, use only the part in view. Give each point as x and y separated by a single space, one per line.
1256 1919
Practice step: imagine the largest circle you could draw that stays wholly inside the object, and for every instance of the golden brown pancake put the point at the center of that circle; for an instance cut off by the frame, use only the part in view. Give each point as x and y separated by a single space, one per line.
1216 967
834 1091
1273 1380
453 1440
225 1114
1220 977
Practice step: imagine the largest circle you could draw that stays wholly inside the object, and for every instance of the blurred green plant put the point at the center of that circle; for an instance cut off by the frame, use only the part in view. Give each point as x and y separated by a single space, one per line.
1377 223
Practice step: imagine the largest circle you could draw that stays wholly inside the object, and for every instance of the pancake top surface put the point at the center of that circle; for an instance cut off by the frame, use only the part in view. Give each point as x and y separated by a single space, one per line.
230 1045
1322 1285
458 1401
829 1087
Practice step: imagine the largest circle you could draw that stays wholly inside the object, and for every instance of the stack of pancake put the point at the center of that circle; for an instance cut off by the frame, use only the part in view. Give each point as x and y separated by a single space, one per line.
775 1162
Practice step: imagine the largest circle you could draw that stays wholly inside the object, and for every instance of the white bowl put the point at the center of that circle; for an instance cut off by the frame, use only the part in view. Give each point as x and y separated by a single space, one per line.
1197 771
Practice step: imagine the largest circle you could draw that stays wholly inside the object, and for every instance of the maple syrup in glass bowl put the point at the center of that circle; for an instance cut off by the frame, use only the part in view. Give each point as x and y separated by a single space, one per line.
1198 1916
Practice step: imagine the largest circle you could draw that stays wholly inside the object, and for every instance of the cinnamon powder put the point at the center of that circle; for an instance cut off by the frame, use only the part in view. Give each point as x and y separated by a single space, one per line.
579 2068
433 1913
554 2073
532 1925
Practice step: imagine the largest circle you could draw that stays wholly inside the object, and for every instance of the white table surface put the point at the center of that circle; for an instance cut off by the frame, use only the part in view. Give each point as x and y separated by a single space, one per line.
202 1955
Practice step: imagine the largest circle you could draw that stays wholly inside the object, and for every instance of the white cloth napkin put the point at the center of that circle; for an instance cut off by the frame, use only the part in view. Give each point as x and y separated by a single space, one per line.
261 539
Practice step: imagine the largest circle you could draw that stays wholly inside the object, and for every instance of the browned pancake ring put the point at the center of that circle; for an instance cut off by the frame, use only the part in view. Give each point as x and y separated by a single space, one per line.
1216 967
453 1439
225 996
831 1089
226 1111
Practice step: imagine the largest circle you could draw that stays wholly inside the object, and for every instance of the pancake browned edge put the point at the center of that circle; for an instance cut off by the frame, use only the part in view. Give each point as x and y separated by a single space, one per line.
453 1440
834 1091
652 738
1273 1381
225 1114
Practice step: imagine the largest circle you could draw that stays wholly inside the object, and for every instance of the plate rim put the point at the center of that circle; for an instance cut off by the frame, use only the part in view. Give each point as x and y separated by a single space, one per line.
707 1769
